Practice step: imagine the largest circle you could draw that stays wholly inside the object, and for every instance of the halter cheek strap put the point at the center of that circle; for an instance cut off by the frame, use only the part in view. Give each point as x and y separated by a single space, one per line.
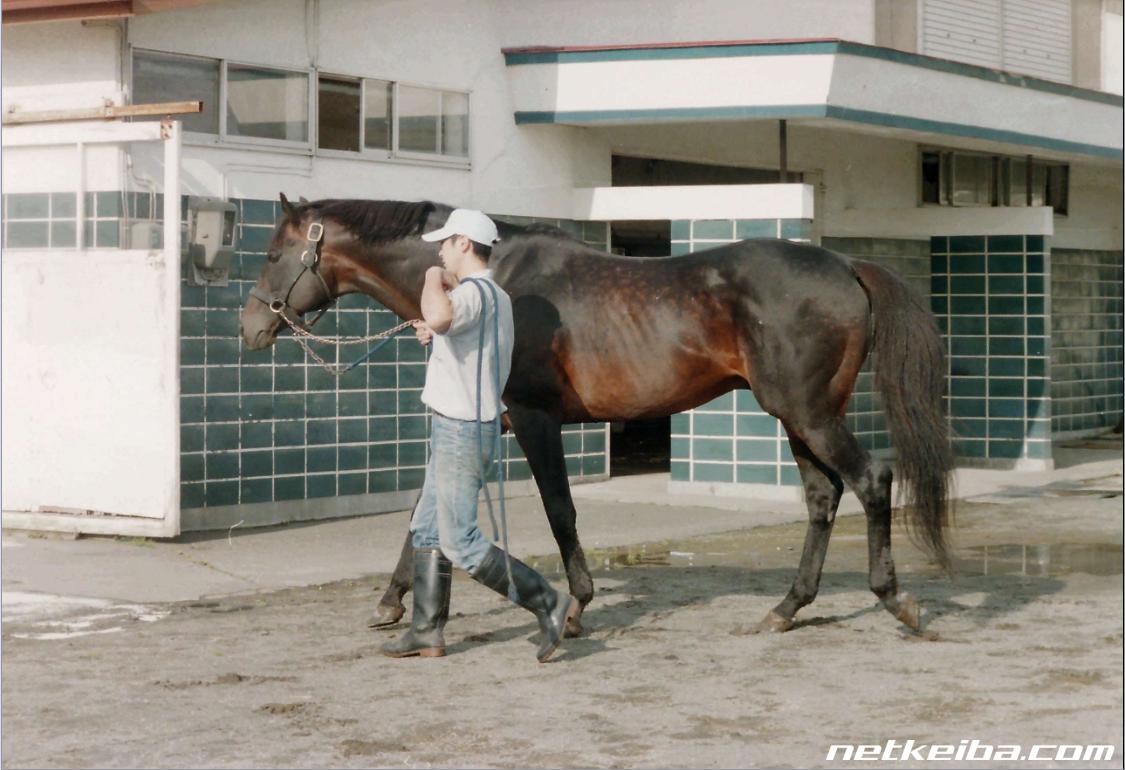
310 262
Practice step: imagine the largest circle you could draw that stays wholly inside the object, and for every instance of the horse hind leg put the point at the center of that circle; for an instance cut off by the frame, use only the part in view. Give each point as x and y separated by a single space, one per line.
823 488
540 437
837 448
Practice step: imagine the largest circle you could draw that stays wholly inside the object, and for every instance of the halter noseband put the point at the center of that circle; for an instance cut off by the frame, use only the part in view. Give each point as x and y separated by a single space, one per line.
310 261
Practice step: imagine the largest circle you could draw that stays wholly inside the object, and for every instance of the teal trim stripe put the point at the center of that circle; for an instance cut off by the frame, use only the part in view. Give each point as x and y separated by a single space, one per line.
981 73
515 58
971 132
673 113
786 111
518 57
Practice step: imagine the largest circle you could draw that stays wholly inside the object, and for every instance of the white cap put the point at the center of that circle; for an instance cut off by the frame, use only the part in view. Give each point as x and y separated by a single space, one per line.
472 224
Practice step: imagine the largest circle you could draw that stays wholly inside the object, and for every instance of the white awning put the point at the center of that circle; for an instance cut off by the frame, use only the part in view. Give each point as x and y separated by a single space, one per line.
822 82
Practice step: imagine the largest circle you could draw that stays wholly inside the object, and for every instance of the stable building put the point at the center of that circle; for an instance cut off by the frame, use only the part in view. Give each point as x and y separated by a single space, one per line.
976 147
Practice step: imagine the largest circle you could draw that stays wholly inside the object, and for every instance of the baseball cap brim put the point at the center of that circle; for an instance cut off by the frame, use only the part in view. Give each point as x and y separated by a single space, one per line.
438 235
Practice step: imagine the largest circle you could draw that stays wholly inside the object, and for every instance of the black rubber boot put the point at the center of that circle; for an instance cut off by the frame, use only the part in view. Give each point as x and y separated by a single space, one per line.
551 608
433 576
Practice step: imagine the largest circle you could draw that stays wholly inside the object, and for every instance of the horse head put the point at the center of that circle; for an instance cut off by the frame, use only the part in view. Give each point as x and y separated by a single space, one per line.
325 249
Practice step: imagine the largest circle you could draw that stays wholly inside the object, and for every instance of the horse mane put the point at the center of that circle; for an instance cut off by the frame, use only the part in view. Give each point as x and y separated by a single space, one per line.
375 221
542 228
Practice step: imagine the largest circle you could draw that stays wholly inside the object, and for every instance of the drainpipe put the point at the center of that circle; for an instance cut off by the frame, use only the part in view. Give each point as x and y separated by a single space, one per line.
783 153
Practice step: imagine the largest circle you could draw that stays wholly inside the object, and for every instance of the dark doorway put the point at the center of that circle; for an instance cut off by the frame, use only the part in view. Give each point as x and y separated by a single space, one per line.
641 238
640 446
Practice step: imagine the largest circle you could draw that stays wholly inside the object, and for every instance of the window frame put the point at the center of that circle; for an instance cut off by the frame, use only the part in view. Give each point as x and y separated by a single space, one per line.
311 115
392 154
194 137
329 151
1000 185
437 156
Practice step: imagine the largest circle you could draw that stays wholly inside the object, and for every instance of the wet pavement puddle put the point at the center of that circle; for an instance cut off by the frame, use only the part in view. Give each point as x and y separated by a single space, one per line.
1041 559
753 548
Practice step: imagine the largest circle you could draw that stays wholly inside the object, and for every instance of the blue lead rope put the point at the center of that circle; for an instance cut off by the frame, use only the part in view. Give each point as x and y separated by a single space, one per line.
502 535
375 349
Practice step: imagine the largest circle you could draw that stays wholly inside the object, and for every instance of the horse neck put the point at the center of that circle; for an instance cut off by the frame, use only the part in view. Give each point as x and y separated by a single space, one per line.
393 274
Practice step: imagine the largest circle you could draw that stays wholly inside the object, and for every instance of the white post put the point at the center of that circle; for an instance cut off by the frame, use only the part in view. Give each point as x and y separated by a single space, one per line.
170 132
80 199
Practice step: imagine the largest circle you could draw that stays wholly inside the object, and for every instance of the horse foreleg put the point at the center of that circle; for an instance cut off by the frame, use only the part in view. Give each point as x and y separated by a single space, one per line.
823 488
390 609
540 437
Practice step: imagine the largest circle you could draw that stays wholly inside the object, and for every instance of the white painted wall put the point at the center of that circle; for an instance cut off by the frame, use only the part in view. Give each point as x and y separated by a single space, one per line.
1111 47
527 170
579 22
60 65
1096 206
395 41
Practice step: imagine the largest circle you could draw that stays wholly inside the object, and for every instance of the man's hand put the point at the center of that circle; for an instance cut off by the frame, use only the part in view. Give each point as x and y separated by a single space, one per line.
423 332
448 279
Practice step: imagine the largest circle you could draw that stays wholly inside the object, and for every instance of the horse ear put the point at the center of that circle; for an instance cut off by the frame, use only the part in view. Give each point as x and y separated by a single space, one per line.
302 200
289 209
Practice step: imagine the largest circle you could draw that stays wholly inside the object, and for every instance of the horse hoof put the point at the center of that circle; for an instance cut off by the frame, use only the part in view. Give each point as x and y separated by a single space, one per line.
573 628
772 623
908 612
386 616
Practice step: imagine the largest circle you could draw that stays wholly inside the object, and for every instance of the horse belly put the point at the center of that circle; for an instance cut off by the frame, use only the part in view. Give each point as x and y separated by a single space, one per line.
640 384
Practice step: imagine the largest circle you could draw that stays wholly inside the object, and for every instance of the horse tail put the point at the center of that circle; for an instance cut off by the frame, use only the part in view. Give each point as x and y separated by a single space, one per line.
910 373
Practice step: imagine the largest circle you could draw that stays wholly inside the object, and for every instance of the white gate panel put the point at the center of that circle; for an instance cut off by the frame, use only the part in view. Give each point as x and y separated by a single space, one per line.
90 383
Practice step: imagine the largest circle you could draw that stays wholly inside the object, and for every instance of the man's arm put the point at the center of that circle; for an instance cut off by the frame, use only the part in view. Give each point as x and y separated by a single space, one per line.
437 310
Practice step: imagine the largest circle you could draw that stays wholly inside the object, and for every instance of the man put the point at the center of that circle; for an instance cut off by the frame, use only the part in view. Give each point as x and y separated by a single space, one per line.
444 525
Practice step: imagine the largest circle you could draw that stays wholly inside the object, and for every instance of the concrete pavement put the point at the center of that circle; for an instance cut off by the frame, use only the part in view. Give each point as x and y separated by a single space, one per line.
48 576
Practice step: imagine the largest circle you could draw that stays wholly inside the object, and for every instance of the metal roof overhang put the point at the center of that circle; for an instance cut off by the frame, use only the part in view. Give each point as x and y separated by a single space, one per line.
830 83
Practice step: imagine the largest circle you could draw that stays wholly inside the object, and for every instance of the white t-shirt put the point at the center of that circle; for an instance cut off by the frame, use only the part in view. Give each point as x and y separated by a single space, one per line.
451 375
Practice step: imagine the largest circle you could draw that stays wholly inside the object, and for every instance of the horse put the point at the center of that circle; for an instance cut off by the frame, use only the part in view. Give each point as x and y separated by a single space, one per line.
601 338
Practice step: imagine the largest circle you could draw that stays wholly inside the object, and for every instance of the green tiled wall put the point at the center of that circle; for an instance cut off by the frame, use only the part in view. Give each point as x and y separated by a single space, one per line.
731 440
911 260
271 426
1086 340
990 295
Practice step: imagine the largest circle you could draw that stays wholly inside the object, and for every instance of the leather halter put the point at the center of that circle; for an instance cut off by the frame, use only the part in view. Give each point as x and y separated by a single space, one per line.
310 263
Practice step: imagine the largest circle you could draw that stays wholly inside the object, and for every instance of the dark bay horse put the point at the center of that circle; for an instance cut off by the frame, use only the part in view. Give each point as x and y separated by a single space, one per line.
603 338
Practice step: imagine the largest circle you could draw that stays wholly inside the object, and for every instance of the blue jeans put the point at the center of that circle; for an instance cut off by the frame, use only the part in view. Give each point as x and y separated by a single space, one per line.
446 514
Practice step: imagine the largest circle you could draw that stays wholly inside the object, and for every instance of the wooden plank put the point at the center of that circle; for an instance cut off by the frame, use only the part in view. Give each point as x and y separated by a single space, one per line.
27 12
103 113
